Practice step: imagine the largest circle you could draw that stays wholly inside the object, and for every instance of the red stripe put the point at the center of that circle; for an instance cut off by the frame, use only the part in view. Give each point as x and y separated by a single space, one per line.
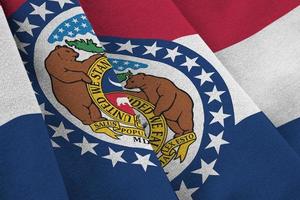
224 23
137 19
131 18
220 23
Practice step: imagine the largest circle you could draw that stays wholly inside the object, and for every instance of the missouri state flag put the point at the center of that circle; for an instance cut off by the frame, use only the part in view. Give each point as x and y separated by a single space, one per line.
137 106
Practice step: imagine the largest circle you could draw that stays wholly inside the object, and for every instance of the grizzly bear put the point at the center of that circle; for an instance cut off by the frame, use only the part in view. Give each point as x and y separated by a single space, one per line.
170 101
69 78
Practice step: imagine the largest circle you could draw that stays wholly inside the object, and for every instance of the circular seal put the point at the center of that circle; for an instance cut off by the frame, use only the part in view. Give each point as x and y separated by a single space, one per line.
150 94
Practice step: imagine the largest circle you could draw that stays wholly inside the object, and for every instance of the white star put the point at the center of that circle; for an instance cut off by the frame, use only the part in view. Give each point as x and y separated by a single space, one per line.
44 111
115 157
185 193
61 131
214 95
86 146
127 46
61 30
70 33
83 17
40 10
62 2
204 76
126 63
190 63
54 144
55 37
26 26
152 49
115 61
219 116
216 142
67 25
143 161
206 170
84 25
76 29
74 20
21 46
173 53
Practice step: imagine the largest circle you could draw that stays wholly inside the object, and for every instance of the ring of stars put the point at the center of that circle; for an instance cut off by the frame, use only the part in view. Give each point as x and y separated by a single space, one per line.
219 114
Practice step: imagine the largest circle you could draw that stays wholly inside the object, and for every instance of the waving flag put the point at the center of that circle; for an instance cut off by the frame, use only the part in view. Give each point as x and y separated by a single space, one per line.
258 43
160 86
237 152
28 169
98 140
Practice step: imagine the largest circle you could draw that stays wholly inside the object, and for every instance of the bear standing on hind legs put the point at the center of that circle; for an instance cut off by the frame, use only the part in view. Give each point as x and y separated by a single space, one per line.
170 101
69 78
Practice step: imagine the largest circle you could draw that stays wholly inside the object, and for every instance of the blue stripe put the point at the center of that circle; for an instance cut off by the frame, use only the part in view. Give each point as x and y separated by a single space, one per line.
28 169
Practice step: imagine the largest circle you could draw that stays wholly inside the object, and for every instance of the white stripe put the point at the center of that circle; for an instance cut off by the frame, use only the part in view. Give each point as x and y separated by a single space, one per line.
16 94
242 104
267 66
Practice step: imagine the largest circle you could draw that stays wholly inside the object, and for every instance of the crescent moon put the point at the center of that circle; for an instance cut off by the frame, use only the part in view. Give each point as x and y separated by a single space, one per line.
114 83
